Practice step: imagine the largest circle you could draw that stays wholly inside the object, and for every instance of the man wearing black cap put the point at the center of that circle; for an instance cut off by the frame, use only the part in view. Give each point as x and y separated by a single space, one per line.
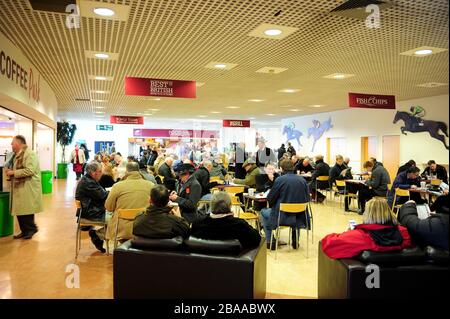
188 193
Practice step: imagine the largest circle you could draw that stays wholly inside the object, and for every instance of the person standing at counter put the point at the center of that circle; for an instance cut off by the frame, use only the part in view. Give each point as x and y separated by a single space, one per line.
26 189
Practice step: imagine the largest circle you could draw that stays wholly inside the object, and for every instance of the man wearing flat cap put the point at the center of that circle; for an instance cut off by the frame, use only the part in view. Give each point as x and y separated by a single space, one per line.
250 178
188 193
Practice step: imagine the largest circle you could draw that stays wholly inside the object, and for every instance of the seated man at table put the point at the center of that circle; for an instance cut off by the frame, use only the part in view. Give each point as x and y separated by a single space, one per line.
378 232
132 191
158 221
288 188
432 231
304 166
222 225
188 193
250 178
217 168
435 169
340 171
264 182
408 164
202 174
92 197
166 171
408 179
322 169
377 185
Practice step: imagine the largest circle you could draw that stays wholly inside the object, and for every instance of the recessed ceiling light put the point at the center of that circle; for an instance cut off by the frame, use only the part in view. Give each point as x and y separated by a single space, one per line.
232 107
423 52
316 105
99 107
101 55
101 78
432 84
202 116
270 114
255 100
153 109
251 118
99 112
215 112
100 92
272 32
294 110
220 65
288 90
99 101
286 106
104 12
338 76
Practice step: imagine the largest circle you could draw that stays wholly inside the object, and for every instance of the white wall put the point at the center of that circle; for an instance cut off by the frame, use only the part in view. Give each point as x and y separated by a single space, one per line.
355 123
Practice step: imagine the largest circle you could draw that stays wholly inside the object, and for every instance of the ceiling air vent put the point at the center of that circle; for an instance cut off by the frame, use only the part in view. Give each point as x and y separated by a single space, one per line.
82 100
356 9
58 6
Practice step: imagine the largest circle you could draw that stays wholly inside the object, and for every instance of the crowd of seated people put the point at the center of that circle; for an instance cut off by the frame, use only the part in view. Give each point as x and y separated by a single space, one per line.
157 182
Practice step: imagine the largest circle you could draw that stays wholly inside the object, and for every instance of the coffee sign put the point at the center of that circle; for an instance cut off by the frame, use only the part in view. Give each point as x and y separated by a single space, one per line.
371 101
236 123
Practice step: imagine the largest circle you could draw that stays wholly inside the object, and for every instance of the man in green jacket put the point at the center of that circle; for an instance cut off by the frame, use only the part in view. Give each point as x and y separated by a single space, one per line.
158 221
250 178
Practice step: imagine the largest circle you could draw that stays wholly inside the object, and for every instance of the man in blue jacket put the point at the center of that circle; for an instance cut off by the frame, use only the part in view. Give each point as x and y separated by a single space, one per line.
288 188
406 180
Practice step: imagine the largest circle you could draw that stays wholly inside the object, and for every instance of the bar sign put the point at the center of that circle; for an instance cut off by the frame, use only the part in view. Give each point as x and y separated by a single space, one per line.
104 127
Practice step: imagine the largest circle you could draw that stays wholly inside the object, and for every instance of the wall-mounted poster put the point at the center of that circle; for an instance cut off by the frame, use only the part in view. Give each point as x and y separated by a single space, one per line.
104 146
292 133
414 123
318 129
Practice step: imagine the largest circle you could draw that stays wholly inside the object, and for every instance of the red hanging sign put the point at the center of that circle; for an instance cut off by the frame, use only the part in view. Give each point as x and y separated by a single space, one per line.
371 101
175 133
236 123
160 87
115 119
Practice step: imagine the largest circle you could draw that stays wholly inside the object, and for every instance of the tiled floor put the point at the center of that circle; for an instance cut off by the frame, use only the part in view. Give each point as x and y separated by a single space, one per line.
43 266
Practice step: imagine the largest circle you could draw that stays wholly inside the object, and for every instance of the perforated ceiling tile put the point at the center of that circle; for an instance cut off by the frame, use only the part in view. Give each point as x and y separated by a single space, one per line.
175 39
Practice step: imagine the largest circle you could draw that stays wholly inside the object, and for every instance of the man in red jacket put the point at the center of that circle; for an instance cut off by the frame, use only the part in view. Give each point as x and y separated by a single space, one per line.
378 232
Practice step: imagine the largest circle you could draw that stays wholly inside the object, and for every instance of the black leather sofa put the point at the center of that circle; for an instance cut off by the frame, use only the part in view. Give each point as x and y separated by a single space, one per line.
189 269
410 273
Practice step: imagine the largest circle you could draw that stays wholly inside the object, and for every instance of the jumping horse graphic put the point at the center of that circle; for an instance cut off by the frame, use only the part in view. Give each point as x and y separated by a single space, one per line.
412 125
318 129
292 134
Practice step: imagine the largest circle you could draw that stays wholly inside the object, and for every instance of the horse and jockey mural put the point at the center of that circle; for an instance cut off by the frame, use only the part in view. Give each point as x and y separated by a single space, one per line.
414 123
292 133
318 129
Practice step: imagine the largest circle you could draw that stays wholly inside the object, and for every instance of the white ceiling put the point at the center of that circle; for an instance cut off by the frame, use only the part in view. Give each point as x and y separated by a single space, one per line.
176 39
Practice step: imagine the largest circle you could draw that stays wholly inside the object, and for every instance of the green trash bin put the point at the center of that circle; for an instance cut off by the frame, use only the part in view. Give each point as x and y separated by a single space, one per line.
47 182
6 220
62 171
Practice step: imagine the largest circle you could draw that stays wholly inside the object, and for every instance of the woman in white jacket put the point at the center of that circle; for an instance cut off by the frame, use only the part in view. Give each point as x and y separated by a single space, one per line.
77 158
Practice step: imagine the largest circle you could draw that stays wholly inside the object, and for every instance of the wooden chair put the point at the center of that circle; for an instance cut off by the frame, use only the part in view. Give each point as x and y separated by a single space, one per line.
323 179
399 193
291 208
343 193
214 179
436 182
233 190
82 222
125 214
247 216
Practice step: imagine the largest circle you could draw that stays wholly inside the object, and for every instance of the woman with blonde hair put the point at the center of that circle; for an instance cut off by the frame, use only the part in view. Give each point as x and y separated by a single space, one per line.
379 231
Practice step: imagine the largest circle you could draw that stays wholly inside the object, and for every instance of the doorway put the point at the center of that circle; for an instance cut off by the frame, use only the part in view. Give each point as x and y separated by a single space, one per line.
335 146
369 146
391 154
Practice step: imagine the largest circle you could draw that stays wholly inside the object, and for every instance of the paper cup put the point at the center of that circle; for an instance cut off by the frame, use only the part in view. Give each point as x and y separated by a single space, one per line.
251 191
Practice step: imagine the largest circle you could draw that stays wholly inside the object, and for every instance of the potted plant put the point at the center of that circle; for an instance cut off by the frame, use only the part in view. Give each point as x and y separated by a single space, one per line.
65 133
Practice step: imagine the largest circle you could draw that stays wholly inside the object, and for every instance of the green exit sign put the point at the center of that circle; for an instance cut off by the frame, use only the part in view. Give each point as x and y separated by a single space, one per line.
104 127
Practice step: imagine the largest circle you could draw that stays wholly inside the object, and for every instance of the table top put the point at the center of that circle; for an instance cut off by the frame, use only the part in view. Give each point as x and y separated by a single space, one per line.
256 196
230 185
355 181
425 191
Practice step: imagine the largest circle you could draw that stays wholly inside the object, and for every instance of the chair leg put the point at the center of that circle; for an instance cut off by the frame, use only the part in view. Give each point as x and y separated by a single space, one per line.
76 242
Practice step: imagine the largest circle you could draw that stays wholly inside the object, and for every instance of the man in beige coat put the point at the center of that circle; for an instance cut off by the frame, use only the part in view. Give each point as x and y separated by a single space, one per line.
26 189
133 191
